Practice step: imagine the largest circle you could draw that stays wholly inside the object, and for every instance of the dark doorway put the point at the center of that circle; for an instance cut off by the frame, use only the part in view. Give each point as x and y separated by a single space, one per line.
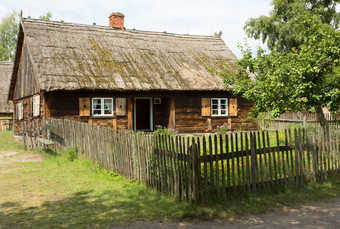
143 114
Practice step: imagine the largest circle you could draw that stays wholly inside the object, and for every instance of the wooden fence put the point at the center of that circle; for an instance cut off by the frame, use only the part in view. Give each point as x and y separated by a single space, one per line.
291 119
202 167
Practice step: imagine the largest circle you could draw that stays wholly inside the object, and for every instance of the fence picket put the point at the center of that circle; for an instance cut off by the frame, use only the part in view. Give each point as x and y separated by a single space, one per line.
247 162
173 164
217 167
222 167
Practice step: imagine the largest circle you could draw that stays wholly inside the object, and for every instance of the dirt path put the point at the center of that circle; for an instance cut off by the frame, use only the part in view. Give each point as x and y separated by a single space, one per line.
321 214
16 156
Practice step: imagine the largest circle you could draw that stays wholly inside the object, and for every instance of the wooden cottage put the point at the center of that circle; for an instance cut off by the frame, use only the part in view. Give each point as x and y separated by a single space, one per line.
123 79
6 107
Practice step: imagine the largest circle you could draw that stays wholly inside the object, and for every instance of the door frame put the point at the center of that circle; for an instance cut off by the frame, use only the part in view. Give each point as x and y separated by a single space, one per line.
134 111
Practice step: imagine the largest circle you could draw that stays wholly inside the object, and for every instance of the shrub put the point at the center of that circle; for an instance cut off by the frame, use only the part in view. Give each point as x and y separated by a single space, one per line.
221 129
164 131
72 153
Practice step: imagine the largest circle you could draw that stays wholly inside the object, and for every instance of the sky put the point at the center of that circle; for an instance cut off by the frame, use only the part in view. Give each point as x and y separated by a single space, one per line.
195 17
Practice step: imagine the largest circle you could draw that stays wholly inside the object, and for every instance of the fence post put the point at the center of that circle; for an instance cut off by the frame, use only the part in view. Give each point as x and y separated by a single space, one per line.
253 161
304 122
315 157
195 171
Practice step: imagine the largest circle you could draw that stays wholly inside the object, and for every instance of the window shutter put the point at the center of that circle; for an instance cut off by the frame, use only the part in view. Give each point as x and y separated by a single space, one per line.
32 105
38 105
205 106
120 106
233 107
84 106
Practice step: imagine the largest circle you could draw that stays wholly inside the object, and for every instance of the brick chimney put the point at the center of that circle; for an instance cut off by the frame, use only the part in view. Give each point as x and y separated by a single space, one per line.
117 21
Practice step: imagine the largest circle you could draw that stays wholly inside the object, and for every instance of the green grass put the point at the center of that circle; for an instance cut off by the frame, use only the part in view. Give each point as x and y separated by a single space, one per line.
8 142
57 192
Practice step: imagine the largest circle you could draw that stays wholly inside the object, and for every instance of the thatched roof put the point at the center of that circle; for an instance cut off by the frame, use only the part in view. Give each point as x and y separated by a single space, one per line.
5 79
69 56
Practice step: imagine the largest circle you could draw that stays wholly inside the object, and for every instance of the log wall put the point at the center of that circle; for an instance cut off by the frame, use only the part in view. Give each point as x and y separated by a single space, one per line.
188 114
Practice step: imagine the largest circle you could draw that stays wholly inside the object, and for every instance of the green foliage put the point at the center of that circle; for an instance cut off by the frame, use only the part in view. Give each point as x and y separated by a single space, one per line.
8 143
283 29
46 17
221 129
8 36
72 153
160 130
303 78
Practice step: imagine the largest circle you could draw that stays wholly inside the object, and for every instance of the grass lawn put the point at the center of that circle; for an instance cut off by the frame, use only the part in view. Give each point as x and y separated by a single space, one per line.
57 192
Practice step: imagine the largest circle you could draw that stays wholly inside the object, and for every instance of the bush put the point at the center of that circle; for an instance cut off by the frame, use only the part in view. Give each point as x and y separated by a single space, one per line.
221 129
72 153
164 131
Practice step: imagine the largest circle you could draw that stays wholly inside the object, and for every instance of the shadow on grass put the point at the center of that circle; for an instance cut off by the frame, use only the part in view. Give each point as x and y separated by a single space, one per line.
49 151
111 207
86 209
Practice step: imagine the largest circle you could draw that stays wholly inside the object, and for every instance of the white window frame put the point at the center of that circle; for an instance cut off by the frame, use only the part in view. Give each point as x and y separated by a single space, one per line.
36 105
102 109
20 111
219 109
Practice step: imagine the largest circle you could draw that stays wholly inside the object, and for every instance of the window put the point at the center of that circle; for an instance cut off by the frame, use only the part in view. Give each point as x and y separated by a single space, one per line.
20 111
102 106
219 107
36 105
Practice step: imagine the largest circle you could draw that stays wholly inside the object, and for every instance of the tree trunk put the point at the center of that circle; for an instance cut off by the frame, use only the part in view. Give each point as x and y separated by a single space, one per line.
322 120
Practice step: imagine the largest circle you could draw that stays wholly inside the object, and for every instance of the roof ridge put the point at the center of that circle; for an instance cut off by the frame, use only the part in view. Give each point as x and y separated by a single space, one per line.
108 28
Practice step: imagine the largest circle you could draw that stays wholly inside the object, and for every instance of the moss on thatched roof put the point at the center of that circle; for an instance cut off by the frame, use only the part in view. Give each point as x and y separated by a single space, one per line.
68 56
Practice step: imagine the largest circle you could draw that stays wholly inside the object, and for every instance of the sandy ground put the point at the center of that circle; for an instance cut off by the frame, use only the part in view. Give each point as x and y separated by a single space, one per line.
16 156
321 214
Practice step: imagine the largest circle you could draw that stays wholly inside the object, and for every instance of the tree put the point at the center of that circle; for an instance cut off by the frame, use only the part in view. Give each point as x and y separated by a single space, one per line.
282 28
46 17
9 32
8 36
300 72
